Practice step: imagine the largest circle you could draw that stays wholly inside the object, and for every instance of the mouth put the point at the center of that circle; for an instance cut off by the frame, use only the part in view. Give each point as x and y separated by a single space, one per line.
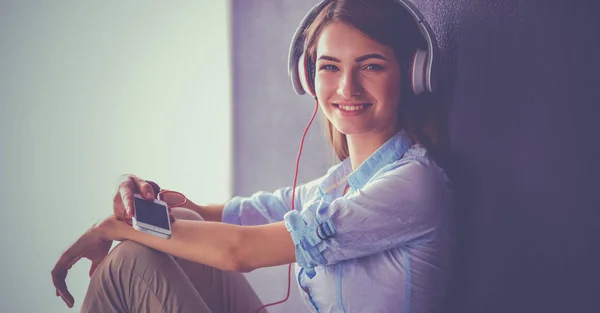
352 109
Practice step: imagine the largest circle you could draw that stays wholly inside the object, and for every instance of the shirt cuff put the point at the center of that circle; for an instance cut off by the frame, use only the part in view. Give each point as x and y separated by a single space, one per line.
231 211
308 230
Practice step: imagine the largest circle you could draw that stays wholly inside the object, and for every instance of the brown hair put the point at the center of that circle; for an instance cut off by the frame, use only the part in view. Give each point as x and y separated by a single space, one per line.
388 23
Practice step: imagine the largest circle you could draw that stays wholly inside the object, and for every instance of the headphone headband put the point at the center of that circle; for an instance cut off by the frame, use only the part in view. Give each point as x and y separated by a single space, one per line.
423 73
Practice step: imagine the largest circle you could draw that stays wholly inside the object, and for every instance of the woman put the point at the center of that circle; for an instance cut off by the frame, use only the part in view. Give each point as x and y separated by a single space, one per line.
374 234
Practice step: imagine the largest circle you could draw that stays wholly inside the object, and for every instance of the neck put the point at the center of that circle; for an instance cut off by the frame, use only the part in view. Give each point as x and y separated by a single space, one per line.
362 146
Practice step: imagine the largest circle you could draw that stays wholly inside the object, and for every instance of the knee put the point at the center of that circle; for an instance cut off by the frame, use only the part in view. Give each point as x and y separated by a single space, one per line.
128 267
131 250
185 214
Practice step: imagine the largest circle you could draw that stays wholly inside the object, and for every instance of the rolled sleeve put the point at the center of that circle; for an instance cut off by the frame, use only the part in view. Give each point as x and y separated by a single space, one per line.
308 230
265 207
400 207
231 211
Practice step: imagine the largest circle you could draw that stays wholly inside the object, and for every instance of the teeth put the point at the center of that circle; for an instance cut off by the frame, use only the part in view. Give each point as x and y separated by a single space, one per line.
352 108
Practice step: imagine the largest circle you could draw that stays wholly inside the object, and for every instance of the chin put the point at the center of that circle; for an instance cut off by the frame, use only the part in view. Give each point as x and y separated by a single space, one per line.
350 129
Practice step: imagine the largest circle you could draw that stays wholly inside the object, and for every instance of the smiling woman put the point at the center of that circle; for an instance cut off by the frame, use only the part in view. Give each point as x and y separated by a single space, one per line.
358 83
388 45
381 218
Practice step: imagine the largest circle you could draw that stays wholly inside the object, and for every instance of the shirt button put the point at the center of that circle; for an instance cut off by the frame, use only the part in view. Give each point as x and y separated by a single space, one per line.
324 231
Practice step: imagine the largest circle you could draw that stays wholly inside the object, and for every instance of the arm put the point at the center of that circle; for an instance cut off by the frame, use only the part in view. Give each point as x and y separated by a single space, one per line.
221 245
210 213
402 207
224 246
261 208
243 211
258 209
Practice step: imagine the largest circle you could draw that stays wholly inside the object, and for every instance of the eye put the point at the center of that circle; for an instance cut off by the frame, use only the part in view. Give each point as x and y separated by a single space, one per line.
329 67
374 67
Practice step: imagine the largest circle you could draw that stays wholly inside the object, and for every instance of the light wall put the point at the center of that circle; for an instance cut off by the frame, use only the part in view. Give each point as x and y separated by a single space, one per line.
92 90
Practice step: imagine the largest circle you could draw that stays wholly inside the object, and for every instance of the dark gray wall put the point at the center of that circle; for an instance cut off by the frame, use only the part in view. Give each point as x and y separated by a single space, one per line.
269 118
520 89
523 102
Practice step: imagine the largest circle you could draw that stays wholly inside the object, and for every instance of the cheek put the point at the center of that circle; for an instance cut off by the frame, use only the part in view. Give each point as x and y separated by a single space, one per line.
393 95
391 91
324 87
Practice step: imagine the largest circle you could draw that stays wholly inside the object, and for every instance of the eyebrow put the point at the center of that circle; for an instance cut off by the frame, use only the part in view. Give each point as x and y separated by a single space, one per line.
359 59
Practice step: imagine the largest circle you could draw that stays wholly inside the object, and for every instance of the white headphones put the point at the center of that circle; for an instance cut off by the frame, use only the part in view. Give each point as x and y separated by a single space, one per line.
423 70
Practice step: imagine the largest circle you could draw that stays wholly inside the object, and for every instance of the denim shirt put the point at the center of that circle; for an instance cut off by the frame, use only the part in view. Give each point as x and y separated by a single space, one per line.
385 246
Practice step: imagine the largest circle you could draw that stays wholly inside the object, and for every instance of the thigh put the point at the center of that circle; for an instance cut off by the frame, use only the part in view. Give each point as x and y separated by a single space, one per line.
135 278
227 292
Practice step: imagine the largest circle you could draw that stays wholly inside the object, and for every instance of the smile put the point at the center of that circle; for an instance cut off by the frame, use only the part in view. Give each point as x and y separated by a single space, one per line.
352 109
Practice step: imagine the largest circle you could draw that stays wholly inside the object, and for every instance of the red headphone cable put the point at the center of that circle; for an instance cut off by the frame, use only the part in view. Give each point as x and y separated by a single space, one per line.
293 207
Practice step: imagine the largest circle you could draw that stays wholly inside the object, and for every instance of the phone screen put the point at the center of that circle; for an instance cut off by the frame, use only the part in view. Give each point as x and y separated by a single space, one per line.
151 213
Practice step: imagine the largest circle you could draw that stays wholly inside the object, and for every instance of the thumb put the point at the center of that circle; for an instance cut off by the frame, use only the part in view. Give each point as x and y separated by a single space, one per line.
93 267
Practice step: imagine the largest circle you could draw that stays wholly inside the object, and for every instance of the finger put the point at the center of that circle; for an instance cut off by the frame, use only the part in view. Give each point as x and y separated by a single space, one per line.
144 188
58 279
118 207
73 254
93 267
126 190
69 300
92 270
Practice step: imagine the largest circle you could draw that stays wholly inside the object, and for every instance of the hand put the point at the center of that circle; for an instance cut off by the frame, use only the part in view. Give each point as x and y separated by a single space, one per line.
175 199
92 245
123 199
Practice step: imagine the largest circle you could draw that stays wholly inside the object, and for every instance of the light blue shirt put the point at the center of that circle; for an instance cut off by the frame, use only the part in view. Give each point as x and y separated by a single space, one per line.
386 246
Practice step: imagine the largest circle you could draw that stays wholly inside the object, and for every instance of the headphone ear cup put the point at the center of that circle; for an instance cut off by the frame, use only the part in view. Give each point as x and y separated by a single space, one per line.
306 74
418 72
311 74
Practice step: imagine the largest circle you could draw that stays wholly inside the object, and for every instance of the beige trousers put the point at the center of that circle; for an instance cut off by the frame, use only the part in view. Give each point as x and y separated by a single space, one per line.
135 278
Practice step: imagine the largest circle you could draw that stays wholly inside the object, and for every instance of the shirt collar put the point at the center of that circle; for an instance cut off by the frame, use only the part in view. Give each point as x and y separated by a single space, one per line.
390 151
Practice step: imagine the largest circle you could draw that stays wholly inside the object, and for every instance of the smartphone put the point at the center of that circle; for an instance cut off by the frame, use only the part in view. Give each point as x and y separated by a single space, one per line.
151 217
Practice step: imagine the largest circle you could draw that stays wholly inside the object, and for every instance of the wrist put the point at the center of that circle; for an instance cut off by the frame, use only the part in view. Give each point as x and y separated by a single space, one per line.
194 207
111 228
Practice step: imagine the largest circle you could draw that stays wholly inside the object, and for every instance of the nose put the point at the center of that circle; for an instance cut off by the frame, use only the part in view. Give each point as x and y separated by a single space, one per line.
349 85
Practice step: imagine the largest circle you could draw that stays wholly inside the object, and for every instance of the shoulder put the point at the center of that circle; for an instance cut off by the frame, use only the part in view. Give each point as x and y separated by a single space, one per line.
416 172
311 188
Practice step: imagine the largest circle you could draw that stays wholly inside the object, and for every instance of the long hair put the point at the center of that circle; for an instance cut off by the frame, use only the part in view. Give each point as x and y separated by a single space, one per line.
388 23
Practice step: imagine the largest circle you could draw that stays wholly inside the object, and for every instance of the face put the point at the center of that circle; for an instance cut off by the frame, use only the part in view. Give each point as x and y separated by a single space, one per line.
357 81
